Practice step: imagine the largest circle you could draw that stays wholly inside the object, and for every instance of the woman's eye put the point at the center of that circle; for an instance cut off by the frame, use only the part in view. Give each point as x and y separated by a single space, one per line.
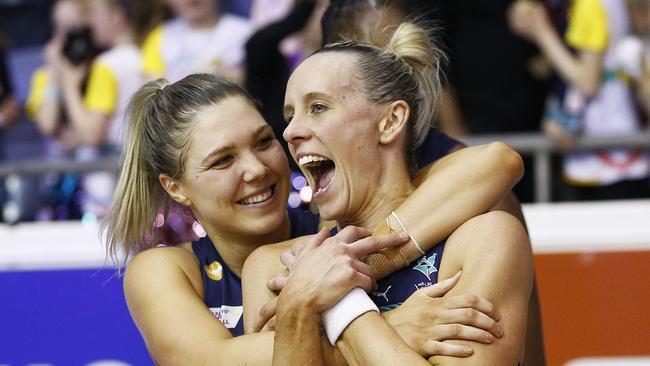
265 142
318 108
222 162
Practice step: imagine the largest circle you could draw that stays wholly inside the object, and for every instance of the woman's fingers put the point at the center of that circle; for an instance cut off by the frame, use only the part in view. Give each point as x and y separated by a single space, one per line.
266 313
288 259
463 332
433 348
374 243
364 269
350 234
441 288
473 318
474 302
277 283
317 239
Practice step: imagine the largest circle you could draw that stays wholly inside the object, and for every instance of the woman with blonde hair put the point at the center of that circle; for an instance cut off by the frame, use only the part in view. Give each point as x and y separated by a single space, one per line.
373 104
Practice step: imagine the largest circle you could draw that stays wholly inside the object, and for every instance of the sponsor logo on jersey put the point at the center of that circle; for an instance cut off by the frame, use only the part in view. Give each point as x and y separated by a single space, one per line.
228 315
427 266
383 294
214 270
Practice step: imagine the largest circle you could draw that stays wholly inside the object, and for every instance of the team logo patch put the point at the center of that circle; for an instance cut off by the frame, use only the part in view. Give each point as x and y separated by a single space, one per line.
214 270
427 266
228 315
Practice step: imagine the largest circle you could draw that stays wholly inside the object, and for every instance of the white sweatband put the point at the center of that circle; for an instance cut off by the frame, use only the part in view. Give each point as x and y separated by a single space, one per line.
350 307
415 242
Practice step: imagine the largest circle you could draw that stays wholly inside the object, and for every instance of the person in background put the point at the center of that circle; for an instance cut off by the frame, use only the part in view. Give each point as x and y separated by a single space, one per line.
589 96
632 54
46 106
119 26
199 39
267 67
9 110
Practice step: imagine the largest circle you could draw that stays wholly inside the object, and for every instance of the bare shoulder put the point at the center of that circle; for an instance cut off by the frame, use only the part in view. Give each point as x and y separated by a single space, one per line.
159 264
268 256
496 234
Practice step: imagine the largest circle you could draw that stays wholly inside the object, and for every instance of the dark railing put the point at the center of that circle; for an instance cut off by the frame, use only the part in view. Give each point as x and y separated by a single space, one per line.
537 145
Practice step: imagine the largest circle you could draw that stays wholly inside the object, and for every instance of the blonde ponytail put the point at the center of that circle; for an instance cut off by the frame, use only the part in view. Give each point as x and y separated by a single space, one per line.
138 195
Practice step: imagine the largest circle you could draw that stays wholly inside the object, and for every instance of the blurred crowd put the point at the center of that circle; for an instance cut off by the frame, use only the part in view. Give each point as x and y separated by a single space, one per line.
569 68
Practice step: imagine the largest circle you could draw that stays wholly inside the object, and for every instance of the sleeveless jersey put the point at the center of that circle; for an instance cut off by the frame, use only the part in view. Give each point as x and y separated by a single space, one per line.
394 289
222 287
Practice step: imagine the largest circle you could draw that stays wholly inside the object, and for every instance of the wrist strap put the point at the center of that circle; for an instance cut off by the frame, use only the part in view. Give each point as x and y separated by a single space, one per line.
415 242
350 307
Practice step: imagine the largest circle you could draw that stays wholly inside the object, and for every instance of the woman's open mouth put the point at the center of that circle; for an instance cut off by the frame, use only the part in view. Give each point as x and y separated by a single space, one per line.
322 171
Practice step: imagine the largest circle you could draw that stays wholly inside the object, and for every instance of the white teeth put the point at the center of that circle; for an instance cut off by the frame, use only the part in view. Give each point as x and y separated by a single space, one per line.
310 159
257 198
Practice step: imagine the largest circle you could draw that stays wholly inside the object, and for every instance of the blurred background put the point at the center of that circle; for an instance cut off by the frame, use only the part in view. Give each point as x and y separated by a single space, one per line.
565 82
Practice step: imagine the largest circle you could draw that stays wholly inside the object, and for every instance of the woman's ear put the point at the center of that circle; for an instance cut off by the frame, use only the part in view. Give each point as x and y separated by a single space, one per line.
174 189
394 121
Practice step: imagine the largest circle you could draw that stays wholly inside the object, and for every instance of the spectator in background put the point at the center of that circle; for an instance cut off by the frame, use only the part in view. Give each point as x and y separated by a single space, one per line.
9 111
632 54
198 39
589 97
268 69
46 107
119 26
493 86
45 104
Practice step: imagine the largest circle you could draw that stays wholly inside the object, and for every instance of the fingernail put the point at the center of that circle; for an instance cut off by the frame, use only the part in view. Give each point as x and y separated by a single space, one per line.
488 338
403 236
467 351
499 331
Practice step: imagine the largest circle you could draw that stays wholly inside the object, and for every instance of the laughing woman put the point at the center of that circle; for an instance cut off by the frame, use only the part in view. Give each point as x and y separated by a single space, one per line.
356 113
202 143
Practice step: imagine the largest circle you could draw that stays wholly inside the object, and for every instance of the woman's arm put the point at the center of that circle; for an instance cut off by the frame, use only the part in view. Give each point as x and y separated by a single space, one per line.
163 290
449 192
493 251
91 126
496 264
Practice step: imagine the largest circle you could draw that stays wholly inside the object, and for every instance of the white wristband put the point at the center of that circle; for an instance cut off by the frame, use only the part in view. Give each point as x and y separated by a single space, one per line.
350 307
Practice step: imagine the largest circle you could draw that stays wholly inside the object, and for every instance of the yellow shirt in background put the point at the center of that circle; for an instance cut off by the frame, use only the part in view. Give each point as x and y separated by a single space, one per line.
587 27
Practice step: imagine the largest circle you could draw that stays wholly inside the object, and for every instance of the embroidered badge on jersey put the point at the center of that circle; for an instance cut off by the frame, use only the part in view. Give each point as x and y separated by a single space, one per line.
214 270
228 315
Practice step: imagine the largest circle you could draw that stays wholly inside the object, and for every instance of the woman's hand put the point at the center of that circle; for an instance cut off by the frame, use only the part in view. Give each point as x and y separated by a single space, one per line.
529 19
326 269
426 319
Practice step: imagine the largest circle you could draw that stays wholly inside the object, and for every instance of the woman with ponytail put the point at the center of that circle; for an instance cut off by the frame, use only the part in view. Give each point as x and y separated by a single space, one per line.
356 112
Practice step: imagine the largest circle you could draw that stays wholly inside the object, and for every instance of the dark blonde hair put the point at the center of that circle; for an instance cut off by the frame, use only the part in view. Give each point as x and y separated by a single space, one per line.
160 118
404 66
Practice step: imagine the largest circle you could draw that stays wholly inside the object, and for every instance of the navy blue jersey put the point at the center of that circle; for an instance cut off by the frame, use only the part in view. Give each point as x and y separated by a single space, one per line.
222 286
435 146
394 289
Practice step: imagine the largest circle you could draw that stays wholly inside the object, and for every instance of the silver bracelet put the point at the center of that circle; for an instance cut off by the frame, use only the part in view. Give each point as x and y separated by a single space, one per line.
417 245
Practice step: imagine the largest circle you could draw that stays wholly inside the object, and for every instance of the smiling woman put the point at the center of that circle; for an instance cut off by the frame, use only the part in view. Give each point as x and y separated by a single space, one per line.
356 113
